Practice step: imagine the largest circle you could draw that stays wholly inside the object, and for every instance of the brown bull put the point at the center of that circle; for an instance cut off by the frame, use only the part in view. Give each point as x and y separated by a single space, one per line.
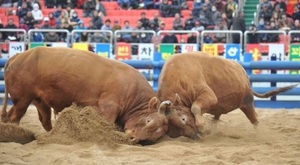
199 83
57 77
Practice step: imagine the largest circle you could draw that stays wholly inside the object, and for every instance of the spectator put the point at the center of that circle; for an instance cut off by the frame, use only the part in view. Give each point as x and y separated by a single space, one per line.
278 11
157 20
144 20
97 20
126 36
161 26
37 13
107 25
46 24
65 26
229 13
156 4
267 4
91 25
238 23
80 26
52 21
197 5
124 4
296 13
98 38
170 38
32 2
74 20
10 25
281 5
23 25
50 4
51 37
275 18
22 12
252 35
220 37
88 8
147 4
265 13
116 26
230 5
145 38
289 8
215 15
261 26
58 11
189 22
29 20
220 6
205 15
62 18
192 38
134 39
287 20
165 9
6 3
198 27
37 36
100 8
225 20
295 37
79 4
273 37
177 22
207 38
70 11
152 26
84 37
297 4
62 3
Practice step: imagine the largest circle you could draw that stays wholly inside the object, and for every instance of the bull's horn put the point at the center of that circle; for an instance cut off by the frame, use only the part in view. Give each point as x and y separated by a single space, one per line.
164 106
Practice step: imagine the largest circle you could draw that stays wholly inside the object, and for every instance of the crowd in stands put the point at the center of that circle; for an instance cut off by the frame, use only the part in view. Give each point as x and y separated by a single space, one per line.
203 14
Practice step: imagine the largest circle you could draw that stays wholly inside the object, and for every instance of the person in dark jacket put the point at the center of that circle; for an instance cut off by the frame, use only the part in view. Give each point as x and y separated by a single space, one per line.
88 8
252 36
51 37
165 9
10 25
238 23
170 38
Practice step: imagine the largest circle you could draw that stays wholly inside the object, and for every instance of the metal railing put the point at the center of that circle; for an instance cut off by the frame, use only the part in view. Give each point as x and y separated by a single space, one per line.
227 32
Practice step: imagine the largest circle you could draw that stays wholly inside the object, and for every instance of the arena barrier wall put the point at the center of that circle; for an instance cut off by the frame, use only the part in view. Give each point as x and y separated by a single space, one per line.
281 67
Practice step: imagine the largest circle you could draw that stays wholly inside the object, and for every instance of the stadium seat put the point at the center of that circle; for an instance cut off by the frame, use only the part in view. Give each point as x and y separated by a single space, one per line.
14 17
110 5
185 13
190 4
2 11
47 11
79 12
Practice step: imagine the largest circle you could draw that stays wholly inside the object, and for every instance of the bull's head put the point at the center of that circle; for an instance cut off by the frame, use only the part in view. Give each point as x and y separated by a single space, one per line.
181 121
149 127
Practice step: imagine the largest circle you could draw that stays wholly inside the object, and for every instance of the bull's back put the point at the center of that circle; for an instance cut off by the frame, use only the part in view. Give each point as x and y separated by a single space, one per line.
186 73
54 73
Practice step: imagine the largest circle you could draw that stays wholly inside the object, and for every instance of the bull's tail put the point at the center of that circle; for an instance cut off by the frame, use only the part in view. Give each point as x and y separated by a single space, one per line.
274 92
5 99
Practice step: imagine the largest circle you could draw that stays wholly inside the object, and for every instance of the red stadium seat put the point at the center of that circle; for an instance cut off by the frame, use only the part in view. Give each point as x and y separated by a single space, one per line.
79 12
185 13
47 11
190 4
2 11
110 5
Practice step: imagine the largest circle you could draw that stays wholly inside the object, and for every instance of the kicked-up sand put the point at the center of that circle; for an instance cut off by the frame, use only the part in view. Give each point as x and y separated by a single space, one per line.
80 137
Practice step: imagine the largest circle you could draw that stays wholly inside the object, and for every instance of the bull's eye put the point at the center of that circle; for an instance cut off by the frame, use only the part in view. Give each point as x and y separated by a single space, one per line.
183 119
148 120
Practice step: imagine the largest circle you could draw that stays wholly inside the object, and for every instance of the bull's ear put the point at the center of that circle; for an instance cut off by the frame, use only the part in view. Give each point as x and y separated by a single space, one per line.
153 103
177 100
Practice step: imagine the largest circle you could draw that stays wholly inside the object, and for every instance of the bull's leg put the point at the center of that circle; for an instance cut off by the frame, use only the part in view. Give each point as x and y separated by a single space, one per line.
44 112
205 101
250 113
18 110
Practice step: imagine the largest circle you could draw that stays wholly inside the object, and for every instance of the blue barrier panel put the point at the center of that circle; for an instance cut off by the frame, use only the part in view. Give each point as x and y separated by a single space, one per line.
157 64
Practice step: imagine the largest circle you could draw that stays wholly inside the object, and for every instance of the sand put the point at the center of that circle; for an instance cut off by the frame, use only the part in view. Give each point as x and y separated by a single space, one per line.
234 141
